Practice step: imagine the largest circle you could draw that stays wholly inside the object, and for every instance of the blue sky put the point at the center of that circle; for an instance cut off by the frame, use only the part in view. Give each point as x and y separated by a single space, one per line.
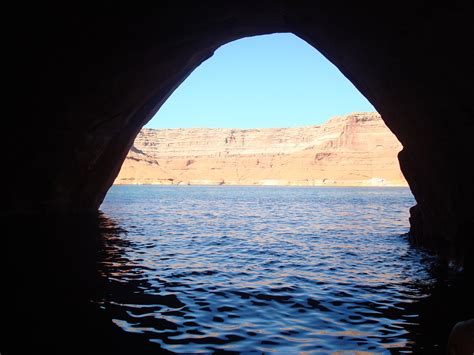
275 80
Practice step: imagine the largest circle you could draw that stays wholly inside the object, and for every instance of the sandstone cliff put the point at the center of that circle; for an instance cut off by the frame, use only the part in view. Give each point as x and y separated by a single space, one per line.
353 150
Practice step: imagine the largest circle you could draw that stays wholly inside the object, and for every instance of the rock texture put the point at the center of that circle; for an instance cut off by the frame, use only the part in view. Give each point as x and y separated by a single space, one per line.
356 150
86 81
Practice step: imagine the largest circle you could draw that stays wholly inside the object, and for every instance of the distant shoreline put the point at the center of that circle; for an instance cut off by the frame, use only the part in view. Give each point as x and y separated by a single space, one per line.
265 185
353 150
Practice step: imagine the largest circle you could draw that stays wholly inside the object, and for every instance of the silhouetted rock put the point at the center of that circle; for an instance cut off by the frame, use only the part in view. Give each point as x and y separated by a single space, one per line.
461 339
88 79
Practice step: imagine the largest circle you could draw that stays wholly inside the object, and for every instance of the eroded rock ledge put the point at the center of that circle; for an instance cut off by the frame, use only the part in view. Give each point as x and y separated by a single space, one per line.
352 150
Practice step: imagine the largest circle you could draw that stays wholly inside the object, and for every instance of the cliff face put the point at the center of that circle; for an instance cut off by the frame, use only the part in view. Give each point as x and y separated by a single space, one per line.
354 150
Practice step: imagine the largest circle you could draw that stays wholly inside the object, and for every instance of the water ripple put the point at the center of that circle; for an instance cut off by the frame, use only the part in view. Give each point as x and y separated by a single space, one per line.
202 269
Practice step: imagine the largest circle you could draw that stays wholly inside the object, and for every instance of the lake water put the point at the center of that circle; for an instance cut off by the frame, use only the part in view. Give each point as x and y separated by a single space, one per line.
265 269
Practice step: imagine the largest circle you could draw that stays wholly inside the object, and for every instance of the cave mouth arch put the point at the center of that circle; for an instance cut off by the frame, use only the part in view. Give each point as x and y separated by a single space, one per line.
379 66
105 73
265 242
257 98
147 116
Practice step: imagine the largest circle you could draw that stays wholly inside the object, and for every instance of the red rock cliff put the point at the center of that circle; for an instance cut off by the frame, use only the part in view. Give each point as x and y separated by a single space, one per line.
356 149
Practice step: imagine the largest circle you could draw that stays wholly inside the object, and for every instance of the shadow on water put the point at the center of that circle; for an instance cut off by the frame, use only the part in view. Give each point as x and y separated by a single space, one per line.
52 276
54 285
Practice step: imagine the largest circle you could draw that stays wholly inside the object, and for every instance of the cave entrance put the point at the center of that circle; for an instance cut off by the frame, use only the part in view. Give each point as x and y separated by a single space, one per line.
262 218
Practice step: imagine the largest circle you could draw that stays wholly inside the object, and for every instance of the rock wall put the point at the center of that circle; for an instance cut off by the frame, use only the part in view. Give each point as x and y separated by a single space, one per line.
86 81
356 150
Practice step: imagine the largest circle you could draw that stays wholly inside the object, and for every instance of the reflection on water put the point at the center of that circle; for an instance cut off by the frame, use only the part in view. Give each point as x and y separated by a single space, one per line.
192 269
265 269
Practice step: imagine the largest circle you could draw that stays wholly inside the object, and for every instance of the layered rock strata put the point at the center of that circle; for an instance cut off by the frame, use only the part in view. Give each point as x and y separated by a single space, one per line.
352 150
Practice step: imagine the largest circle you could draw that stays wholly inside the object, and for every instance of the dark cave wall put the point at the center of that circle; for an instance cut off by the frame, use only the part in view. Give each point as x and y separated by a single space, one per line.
92 77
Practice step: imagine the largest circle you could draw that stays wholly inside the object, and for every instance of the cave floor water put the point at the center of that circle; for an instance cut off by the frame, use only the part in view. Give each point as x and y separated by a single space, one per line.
192 269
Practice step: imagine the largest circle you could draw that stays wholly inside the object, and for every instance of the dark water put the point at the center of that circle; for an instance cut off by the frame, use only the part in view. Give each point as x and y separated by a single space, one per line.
243 269
198 269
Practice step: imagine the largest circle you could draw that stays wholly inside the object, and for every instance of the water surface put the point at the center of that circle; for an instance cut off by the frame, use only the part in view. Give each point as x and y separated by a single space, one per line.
198 269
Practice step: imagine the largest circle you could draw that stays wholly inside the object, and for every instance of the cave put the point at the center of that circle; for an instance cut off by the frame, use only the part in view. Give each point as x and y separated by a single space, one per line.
92 77
89 78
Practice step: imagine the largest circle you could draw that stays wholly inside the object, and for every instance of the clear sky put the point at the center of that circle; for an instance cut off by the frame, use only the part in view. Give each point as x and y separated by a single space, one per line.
276 80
